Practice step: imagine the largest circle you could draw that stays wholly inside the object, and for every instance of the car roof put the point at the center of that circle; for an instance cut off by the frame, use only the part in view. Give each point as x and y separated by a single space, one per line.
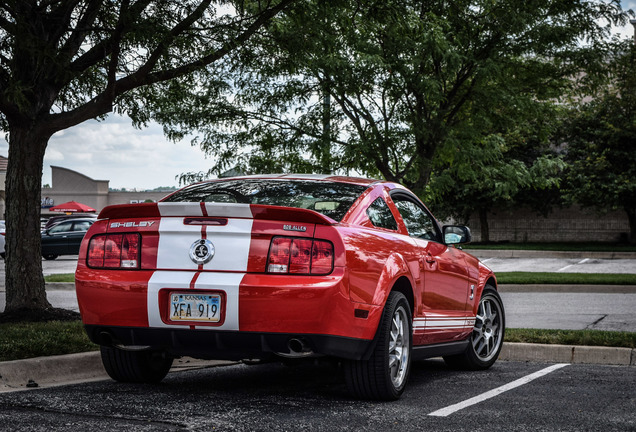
317 177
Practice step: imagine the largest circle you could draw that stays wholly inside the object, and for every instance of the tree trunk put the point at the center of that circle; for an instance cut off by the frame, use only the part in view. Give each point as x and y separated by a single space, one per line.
631 216
23 265
483 222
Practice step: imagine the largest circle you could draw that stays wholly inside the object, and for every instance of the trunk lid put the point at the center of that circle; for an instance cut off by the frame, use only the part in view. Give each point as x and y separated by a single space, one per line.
207 236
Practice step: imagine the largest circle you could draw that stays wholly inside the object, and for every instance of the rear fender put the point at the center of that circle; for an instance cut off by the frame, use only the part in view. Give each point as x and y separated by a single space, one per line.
394 268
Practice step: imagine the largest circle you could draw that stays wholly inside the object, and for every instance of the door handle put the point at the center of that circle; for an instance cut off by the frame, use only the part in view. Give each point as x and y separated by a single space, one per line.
429 259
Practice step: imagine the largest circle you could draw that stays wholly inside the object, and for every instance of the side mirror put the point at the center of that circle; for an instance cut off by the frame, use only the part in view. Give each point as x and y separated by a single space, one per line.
456 234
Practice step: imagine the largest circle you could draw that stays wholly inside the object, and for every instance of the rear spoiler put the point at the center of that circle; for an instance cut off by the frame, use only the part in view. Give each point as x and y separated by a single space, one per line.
244 211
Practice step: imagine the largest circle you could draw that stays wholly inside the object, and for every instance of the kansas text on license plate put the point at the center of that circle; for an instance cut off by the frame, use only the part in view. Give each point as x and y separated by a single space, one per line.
195 307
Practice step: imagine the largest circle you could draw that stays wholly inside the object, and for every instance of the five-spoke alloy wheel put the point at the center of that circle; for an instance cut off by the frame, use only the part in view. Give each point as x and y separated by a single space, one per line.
487 337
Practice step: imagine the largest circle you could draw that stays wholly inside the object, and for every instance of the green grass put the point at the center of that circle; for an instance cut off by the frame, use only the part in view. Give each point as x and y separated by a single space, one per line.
592 247
65 277
572 337
27 340
565 278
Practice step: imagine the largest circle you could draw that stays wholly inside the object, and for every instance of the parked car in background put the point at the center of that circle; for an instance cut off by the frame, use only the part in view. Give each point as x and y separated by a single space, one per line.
65 237
53 220
284 266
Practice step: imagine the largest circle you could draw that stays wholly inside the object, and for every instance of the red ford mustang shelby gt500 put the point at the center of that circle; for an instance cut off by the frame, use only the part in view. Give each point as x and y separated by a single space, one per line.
291 266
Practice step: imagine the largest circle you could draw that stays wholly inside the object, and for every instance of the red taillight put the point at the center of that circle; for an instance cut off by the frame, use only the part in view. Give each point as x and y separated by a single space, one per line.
300 257
114 251
321 257
96 252
293 255
130 251
278 259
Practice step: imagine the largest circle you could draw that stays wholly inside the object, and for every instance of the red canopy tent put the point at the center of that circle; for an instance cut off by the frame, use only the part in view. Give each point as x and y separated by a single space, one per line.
72 207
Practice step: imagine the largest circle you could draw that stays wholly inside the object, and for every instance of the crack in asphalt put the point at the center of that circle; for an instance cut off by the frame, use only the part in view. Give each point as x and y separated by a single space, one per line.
589 327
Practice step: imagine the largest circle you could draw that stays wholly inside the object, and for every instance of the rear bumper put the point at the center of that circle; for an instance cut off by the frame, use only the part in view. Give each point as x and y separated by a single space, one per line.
262 313
219 345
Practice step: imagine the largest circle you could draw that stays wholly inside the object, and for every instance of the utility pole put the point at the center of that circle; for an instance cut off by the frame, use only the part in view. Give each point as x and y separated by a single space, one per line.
633 22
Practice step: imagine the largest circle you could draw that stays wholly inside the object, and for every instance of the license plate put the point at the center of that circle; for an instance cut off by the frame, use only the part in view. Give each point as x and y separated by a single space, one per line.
195 307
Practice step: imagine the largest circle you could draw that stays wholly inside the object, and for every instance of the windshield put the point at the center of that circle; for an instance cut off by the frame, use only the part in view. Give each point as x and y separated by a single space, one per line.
329 198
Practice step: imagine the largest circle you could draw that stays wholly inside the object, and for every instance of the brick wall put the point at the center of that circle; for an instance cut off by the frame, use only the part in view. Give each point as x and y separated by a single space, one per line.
562 225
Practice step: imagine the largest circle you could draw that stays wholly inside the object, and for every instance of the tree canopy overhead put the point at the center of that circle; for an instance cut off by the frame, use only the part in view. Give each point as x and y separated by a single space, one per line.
63 62
385 88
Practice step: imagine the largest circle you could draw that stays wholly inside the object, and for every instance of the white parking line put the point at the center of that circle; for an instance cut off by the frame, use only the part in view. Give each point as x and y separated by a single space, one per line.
583 261
486 260
444 412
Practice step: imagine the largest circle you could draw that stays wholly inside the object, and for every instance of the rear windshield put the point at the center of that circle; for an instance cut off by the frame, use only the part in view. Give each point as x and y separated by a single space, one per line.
330 199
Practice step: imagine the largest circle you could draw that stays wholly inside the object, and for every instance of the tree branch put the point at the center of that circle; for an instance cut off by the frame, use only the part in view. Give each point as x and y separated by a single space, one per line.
72 45
143 77
104 48
102 103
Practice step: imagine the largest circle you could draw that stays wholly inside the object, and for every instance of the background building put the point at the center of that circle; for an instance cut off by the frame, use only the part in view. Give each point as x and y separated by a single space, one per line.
68 185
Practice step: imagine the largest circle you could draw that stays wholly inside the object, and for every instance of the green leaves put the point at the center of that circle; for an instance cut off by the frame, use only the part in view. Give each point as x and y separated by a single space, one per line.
600 135
395 88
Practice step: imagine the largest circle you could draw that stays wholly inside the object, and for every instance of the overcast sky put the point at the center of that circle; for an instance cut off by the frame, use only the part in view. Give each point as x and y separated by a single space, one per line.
114 150
132 158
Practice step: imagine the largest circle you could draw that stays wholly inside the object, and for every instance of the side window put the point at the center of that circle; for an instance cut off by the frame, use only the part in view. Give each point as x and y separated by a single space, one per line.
380 215
417 220
61 227
81 226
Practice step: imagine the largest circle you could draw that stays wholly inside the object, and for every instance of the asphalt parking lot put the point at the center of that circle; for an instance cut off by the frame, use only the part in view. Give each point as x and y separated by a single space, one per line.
511 396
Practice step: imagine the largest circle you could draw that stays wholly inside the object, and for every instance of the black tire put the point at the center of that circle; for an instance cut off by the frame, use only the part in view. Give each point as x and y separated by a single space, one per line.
50 256
487 337
135 366
384 375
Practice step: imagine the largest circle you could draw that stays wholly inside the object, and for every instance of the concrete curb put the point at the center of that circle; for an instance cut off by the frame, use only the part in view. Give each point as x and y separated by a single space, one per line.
74 368
568 354
59 286
51 371
488 253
